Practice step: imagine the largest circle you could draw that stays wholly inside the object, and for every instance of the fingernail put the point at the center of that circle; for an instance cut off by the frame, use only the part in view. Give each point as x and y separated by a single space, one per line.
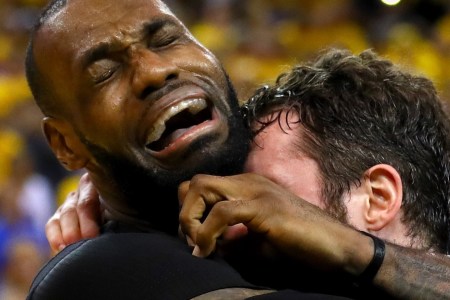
61 247
190 241
196 251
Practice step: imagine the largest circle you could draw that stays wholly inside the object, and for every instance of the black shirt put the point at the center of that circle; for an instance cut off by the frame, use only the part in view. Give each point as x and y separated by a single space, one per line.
122 264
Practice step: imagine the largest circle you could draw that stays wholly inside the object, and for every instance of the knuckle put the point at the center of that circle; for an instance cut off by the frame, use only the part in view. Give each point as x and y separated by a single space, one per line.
85 201
221 208
67 209
51 223
71 236
198 179
183 217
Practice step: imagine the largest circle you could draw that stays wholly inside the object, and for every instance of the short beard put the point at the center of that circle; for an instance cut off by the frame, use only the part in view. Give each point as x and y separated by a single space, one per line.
140 185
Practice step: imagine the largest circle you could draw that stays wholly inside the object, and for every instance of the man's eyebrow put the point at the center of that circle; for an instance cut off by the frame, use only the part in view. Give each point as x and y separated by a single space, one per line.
156 24
104 48
95 53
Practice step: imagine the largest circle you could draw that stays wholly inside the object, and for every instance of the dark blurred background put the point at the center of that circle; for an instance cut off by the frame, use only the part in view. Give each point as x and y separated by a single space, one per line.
255 40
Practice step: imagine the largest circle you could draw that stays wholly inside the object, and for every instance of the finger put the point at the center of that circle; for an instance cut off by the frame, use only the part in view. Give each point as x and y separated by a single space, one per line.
227 220
191 214
69 220
206 243
89 219
54 235
88 209
223 215
58 234
196 196
226 233
235 232
70 226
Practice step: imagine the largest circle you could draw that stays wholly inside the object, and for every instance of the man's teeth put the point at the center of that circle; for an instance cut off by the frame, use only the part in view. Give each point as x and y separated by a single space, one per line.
193 105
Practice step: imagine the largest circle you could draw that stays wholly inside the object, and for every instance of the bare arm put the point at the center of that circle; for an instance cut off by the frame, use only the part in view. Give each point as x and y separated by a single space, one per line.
405 273
294 227
414 274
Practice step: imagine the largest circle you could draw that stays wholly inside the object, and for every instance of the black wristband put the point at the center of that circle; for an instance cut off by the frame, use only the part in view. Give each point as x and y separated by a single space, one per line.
367 276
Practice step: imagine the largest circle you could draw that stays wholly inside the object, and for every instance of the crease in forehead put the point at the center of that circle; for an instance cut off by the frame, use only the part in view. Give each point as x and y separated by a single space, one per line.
91 22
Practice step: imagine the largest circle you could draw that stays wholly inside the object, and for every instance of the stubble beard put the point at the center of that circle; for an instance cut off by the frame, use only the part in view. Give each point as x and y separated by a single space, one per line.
140 185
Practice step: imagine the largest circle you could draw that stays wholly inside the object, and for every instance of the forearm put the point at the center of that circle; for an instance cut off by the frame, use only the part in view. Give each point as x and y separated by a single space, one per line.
404 274
414 274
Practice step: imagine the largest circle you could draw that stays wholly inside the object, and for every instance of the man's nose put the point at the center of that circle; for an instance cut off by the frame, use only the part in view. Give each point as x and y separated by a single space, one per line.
151 71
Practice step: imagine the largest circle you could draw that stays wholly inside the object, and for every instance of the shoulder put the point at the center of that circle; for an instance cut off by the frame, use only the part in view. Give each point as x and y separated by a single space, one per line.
131 266
70 273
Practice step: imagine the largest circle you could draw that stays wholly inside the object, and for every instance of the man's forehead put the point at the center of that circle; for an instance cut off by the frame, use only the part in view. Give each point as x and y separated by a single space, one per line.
84 23
91 13
93 7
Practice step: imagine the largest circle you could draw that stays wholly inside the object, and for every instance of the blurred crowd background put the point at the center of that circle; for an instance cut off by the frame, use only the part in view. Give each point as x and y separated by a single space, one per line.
255 40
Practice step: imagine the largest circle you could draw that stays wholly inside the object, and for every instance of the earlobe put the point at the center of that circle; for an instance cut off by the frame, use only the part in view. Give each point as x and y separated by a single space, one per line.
385 196
64 143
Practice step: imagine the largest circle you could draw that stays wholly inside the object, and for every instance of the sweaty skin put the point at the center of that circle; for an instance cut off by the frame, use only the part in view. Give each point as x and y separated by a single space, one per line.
110 85
130 96
253 204
122 83
270 206
275 155
405 273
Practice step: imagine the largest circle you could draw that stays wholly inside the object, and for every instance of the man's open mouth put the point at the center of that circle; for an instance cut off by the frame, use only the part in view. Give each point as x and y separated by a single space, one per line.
176 120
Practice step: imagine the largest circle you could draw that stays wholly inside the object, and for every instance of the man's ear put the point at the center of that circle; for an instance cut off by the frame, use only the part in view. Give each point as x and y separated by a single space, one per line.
65 143
385 196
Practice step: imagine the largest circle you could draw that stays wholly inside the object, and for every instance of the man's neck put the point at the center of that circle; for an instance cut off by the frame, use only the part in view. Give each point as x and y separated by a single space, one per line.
138 202
111 214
